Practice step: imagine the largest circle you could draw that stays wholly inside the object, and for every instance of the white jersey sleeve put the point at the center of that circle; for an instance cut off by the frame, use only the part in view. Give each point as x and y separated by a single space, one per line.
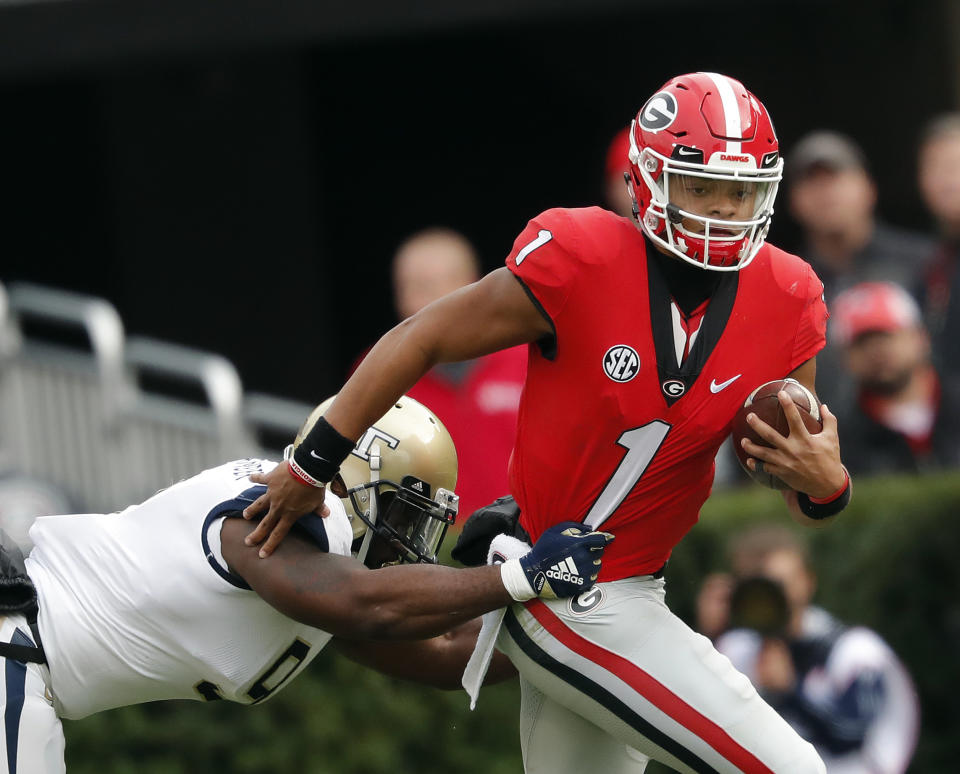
139 605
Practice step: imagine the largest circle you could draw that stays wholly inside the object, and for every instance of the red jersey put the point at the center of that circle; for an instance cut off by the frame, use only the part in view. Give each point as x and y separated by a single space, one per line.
623 411
477 402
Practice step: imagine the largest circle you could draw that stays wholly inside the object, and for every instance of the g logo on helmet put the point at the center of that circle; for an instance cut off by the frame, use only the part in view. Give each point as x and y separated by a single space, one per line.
621 363
674 388
659 112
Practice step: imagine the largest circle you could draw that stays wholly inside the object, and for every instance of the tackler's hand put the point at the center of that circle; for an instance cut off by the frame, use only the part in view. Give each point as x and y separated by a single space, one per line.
564 561
285 501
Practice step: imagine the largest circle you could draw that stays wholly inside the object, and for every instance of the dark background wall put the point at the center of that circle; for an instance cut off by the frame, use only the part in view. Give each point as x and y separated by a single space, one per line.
241 186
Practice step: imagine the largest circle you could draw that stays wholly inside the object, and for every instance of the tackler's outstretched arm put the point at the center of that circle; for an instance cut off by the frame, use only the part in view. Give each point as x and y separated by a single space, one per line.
412 601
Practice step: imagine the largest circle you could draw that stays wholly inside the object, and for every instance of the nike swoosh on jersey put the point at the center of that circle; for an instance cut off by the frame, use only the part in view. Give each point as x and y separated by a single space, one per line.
715 388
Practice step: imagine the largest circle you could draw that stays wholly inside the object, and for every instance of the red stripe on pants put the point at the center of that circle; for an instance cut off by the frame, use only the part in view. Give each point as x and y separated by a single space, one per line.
651 689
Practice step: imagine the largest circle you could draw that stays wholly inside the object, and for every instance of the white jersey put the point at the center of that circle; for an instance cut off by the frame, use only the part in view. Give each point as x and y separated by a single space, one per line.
139 605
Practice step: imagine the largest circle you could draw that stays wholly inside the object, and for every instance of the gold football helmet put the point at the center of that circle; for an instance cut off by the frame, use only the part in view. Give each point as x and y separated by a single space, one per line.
398 481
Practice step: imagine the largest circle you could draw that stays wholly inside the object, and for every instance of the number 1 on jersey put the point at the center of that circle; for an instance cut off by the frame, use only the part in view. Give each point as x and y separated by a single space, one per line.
641 443
542 238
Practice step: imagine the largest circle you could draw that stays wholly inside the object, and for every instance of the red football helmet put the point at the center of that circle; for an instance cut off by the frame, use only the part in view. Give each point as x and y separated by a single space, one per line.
704 170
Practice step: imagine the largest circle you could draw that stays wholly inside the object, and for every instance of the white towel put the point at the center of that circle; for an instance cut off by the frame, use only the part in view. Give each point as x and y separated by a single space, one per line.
502 548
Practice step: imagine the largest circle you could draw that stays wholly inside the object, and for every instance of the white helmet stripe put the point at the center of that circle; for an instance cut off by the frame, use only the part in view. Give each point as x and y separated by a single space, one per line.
731 111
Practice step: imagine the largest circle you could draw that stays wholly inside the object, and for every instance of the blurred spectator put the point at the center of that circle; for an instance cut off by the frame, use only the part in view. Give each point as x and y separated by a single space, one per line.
477 400
431 264
841 687
712 607
939 181
833 198
902 417
617 164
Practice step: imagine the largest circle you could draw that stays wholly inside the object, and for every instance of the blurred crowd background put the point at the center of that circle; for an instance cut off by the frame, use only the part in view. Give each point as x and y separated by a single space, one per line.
258 192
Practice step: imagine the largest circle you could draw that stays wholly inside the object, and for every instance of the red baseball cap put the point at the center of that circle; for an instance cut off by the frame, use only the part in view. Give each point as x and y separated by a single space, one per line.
872 306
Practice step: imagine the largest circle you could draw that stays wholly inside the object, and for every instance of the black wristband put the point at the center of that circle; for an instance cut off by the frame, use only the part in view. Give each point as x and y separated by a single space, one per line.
322 451
824 510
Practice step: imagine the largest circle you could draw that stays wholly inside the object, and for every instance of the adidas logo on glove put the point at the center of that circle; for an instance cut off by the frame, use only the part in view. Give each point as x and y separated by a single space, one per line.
565 571
550 569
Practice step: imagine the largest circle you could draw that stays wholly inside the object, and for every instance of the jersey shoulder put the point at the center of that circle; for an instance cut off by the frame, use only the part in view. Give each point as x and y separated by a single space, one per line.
786 272
562 251
565 241
587 232
595 216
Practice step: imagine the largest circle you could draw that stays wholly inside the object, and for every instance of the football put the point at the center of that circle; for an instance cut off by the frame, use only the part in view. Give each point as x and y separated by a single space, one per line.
764 403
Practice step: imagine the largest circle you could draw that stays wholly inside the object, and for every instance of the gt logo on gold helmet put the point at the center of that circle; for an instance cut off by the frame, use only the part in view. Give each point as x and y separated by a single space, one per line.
398 482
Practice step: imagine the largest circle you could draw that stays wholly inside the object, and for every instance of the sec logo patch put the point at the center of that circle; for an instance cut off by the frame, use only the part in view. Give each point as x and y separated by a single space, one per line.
621 363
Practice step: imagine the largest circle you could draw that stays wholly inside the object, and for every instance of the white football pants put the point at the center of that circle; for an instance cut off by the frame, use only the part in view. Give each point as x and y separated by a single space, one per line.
611 678
31 740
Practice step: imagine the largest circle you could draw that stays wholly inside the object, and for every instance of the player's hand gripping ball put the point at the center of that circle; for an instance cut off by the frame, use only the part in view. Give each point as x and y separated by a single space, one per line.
764 403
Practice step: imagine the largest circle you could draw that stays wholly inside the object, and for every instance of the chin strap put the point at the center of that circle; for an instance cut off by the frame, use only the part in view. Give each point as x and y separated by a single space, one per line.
633 197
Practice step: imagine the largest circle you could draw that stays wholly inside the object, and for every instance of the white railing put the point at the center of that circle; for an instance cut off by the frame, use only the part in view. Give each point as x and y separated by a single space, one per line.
107 420
64 392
